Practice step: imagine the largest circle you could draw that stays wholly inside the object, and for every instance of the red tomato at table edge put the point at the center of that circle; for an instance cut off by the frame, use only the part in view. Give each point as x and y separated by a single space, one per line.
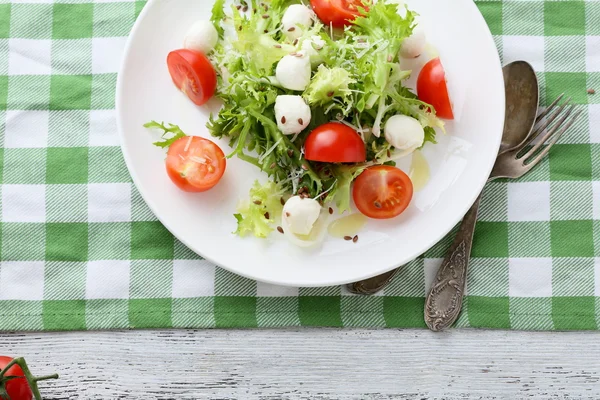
382 192
195 164
432 88
334 142
193 74
338 13
17 389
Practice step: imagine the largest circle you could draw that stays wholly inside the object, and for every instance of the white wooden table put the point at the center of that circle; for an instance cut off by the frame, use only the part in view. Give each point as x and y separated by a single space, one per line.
313 364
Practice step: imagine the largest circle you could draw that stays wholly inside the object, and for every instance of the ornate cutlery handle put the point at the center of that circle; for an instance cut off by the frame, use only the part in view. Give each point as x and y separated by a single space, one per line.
444 301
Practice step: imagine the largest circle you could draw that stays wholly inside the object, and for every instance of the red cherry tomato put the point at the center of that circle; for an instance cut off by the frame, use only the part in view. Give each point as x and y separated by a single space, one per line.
432 88
193 74
17 389
334 142
382 192
337 12
195 164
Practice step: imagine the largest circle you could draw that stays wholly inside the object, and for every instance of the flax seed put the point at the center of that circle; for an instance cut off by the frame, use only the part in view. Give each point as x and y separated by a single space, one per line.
267 215
282 201
330 94
291 29
347 237
283 119
377 204
330 210
257 202
300 121
279 229
355 238
287 214
591 91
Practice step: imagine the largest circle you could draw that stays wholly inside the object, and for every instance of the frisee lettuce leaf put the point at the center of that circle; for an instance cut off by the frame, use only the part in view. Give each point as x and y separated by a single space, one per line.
170 133
252 214
328 83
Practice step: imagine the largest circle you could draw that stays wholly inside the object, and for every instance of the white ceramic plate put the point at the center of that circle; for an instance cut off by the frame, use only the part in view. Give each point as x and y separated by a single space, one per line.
460 163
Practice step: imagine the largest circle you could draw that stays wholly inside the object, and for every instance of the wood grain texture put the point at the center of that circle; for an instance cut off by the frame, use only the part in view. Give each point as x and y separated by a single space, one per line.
313 364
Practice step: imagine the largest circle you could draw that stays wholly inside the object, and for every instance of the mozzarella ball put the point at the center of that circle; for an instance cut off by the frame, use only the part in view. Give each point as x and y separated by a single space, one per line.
202 36
414 45
293 71
300 214
404 132
311 47
292 114
296 17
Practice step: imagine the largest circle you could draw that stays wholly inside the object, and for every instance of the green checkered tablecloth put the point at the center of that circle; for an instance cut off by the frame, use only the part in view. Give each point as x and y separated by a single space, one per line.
80 249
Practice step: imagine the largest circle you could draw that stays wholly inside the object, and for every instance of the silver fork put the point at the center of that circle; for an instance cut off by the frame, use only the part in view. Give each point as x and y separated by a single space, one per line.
444 301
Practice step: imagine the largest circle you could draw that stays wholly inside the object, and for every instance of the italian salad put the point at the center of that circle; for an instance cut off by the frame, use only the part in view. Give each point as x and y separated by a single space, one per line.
312 95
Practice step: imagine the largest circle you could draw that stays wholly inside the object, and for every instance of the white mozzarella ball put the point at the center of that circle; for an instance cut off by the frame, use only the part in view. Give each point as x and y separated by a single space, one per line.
311 47
294 19
293 71
202 36
404 132
292 114
300 214
414 45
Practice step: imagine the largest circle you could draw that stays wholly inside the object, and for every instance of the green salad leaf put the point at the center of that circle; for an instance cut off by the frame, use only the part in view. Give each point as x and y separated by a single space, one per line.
170 133
328 83
258 214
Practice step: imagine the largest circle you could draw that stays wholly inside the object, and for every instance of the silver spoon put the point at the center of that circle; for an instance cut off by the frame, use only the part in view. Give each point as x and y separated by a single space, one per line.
522 96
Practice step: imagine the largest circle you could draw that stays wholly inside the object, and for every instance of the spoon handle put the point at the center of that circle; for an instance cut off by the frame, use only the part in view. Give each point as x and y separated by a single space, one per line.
374 284
444 301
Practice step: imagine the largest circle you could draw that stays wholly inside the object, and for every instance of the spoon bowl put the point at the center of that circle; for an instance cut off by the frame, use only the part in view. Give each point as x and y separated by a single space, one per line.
522 99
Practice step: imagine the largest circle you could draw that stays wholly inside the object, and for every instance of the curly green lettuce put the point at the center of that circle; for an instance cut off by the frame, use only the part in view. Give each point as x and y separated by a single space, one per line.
328 83
356 79
258 214
170 133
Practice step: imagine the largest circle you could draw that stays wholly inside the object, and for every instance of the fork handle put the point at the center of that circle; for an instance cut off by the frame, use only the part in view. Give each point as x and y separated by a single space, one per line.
444 301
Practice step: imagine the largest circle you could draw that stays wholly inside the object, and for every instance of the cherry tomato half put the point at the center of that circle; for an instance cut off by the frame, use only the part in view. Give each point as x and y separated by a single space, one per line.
195 164
382 192
337 12
18 388
432 88
334 142
193 74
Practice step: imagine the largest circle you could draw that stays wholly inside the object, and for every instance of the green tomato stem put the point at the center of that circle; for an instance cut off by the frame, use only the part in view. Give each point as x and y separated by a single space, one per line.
31 380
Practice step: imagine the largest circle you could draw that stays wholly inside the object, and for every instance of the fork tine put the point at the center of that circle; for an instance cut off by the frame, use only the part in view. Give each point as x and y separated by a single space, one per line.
547 109
542 129
554 139
548 133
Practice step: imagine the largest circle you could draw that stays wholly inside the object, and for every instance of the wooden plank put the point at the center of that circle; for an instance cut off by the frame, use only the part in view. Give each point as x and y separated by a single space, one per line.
312 364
